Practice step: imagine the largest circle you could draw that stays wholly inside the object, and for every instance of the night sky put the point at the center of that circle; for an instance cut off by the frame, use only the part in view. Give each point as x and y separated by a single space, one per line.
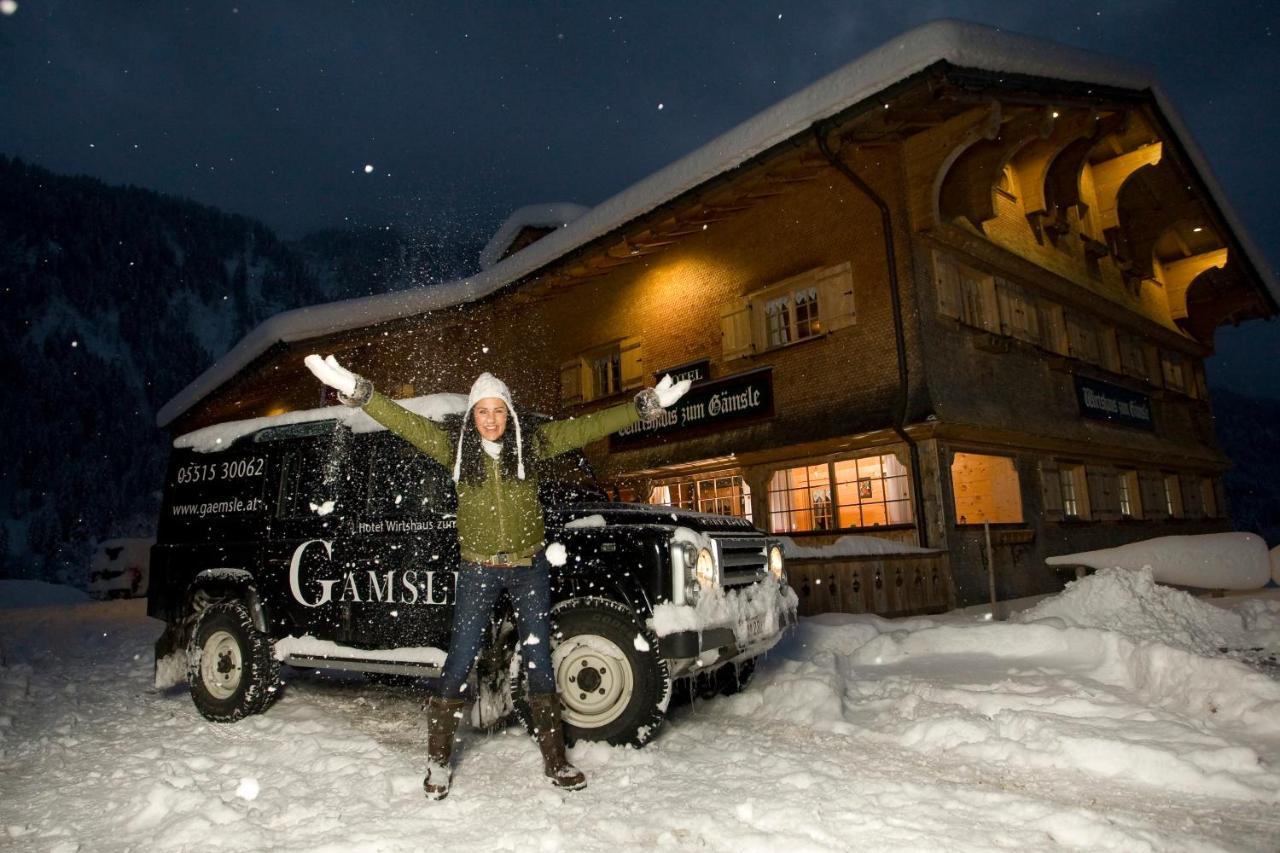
468 111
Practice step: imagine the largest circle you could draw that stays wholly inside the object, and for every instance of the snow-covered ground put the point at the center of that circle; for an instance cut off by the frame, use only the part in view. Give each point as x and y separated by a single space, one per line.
1106 719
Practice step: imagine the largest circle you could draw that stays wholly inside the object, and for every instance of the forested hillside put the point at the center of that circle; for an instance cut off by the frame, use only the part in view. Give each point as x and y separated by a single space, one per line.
113 299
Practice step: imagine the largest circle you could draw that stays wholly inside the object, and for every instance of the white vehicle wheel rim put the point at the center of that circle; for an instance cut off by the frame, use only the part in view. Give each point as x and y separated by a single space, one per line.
221 665
594 680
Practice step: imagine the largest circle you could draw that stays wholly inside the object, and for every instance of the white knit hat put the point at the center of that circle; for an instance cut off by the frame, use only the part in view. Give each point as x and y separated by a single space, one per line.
488 385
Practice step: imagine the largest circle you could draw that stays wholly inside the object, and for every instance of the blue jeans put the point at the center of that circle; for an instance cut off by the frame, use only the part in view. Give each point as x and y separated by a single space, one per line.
477 591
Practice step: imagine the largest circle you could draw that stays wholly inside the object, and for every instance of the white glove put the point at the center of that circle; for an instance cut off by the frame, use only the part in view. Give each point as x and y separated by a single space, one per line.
669 391
332 374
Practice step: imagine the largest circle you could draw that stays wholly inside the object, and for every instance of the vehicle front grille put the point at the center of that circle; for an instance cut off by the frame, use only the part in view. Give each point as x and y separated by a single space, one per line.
743 560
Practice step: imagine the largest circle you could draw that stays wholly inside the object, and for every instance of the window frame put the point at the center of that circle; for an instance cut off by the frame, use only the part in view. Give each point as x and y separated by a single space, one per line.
833 488
770 318
1129 494
696 485
1017 475
1075 476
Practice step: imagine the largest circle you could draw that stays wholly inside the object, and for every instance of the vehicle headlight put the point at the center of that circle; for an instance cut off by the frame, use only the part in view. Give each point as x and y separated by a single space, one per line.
704 570
776 563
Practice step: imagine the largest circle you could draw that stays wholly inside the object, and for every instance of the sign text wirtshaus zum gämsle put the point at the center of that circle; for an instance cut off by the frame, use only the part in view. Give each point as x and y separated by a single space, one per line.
1106 402
731 400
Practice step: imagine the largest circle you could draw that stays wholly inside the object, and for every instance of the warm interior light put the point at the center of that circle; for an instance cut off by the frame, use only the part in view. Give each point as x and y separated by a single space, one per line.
1198 229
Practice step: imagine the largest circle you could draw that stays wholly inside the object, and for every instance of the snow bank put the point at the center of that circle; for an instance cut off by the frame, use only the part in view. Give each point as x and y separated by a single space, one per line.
221 436
850 546
30 593
1210 561
1133 604
857 733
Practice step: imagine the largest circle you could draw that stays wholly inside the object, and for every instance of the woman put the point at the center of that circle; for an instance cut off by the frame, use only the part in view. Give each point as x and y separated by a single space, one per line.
501 536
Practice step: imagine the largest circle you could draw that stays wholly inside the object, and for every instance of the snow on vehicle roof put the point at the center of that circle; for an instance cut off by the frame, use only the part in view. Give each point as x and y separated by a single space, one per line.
959 43
221 436
556 215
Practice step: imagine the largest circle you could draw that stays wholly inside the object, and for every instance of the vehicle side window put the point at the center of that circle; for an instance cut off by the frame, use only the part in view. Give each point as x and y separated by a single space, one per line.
405 482
308 476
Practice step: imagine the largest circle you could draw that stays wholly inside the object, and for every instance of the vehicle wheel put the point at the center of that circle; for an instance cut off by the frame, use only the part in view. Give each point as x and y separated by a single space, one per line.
230 665
613 685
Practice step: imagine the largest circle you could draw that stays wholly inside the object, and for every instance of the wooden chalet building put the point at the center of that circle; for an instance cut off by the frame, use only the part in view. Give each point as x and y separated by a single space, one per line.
969 279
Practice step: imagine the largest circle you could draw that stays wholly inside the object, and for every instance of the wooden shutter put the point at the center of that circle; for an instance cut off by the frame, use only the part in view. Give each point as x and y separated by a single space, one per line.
1082 339
1050 490
1053 324
1154 504
1104 497
735 331
571 384
1192 507
835 296
632 363
947 278
1017 312
1111 350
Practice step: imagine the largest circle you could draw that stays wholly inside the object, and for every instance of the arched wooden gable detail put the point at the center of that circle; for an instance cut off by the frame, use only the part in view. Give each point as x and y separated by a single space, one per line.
968 184
1032 162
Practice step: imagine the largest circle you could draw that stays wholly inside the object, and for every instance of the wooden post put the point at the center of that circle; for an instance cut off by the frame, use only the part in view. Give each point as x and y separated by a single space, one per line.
991 569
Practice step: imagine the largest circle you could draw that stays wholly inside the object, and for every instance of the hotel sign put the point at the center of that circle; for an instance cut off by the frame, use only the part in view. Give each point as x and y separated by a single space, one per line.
694 371
709 406
1106 402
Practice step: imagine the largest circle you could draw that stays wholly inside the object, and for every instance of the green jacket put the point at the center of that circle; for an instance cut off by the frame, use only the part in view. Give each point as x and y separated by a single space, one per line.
500 516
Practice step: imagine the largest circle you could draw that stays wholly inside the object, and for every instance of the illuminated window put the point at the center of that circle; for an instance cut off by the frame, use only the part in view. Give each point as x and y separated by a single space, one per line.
799 308
1130 492
793 316
871 491
1173 495
606 373
602 371
1075 491
722 494
985 489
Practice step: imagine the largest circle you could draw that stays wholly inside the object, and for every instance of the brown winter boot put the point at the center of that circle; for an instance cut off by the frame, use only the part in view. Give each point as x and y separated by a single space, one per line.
550 736
442 723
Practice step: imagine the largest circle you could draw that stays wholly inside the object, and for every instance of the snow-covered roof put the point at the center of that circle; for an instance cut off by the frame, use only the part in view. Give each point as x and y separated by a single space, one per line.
555 215
959 43
221 436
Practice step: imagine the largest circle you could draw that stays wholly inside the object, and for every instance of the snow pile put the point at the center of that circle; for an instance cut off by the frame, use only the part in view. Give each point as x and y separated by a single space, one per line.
736 608
221 436
28 593
850 546
1209 561
1133 604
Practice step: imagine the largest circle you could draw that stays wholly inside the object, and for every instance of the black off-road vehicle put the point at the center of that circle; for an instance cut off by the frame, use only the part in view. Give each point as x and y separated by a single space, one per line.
317 539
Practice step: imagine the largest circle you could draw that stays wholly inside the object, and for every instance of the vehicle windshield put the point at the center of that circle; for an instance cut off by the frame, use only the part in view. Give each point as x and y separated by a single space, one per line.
567 479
